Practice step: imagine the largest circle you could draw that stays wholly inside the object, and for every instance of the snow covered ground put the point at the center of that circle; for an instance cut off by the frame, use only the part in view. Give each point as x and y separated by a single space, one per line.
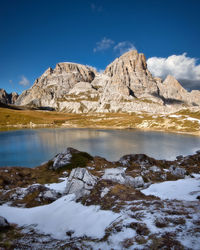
62 216
58 187
184 189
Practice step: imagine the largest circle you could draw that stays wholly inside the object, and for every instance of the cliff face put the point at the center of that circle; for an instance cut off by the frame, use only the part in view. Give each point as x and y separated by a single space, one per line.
126 85
8 98
55 84
131 70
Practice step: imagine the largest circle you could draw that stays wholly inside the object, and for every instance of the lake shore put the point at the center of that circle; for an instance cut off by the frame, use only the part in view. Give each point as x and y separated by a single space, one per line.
128 193
184 122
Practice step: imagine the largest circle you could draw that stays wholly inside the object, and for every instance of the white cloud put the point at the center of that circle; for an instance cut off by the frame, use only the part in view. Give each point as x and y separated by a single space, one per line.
104 44
124 46
24 81
182 67
95 7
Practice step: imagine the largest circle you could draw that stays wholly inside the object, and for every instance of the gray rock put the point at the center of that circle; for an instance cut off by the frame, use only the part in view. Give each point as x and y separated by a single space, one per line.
118 175
155 169
135 182
177 171
115 175
50 195
80 182
62 159
3 222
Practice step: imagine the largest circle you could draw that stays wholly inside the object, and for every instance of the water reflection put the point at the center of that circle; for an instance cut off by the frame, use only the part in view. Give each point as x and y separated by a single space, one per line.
32 147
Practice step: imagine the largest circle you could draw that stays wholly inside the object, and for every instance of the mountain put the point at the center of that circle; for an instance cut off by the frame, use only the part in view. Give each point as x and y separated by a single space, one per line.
6 98
126 85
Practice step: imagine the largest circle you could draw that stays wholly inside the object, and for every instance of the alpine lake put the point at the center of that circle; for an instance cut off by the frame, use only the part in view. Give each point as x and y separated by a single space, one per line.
32 147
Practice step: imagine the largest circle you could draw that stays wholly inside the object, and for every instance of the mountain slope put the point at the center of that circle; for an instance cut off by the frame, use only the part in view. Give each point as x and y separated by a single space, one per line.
126 85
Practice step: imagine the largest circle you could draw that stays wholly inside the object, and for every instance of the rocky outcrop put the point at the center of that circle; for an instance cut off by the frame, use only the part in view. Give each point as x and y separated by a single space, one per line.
62 159
177 171
69 158
6 98
112 209
130 70
118 175
80 182
54 84
172 92
126 85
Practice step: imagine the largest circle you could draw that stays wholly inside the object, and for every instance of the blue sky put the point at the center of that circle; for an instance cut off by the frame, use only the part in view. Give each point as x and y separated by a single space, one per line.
35 35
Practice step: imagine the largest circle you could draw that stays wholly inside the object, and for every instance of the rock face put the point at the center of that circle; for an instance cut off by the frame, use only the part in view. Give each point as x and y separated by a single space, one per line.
80 182
118 175
126 85
62 159
172 92
130 70
8 98
178 172
54 84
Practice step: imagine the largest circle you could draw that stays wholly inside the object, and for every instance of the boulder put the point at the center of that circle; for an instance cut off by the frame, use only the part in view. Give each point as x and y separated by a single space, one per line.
155 169
118 175
135 182
115 175
177 171
62 159
80 182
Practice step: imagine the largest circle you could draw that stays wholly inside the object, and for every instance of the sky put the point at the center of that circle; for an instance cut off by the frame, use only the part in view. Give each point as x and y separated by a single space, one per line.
35 35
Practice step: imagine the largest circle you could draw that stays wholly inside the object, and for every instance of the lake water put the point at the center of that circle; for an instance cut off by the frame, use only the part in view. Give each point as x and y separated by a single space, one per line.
31 147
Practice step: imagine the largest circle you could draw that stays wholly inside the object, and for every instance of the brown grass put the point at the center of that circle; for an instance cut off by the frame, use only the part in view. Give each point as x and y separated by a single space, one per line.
11 118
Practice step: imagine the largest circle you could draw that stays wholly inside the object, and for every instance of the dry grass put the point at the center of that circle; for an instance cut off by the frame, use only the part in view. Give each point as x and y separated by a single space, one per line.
11 118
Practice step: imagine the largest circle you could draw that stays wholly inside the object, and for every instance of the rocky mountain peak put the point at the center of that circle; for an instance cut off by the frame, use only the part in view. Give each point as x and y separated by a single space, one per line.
126 85
171 82
8 98
130 61
130 70
86 73
172 90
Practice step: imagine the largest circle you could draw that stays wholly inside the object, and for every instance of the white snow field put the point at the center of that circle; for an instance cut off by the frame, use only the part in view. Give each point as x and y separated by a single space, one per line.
61 216
184 189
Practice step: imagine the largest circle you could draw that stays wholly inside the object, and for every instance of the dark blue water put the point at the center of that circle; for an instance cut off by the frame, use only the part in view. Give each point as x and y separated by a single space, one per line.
32 147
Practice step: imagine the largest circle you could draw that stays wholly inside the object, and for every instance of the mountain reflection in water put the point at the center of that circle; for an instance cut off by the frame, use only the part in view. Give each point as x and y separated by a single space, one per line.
32 147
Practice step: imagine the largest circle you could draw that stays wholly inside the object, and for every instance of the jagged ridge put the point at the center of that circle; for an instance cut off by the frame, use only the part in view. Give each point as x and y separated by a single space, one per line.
126 85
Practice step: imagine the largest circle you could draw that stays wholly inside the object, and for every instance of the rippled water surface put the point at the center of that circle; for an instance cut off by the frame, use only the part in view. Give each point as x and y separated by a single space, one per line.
32 147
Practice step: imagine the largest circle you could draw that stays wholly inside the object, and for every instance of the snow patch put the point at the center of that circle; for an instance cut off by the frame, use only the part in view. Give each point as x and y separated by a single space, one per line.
62 216
58 187
184 189
104 192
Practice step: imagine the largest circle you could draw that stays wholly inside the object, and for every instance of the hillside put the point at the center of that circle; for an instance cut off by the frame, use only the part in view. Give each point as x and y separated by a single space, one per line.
125 86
